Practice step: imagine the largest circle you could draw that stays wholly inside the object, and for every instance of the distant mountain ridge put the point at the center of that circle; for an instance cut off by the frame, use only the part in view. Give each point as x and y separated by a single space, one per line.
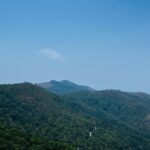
64 87
97 120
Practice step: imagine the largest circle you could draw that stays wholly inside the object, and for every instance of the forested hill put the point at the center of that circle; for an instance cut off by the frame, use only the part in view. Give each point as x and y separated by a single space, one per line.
64 87
15 139
132 109
80 120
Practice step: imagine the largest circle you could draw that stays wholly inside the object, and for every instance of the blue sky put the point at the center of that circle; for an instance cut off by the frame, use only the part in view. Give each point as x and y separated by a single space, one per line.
101 43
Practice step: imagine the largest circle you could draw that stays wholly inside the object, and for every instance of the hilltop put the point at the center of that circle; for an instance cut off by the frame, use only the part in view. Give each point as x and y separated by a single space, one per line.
97 120
64 87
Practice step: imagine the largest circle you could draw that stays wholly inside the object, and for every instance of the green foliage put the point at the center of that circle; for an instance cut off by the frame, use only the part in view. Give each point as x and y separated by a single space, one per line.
39 114
63 87
132 109
12 139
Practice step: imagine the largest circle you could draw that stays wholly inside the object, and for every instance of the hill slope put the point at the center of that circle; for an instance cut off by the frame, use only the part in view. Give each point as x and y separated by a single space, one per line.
132 109
39 113
14 139
63 87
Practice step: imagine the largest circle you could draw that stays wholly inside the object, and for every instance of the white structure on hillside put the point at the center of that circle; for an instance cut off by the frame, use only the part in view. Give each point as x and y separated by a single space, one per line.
90 134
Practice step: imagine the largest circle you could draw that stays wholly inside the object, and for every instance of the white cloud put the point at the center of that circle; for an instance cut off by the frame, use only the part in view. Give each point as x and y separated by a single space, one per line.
51 54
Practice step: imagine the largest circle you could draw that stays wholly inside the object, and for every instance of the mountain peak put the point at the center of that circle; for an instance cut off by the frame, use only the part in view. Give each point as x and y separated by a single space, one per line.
64 87
67 81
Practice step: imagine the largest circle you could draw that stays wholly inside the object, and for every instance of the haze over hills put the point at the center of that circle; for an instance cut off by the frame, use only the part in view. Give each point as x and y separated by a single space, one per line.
102 45
97 120
64 87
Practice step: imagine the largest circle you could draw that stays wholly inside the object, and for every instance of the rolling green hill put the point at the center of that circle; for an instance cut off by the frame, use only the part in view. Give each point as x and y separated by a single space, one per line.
132 109
63 87
88 120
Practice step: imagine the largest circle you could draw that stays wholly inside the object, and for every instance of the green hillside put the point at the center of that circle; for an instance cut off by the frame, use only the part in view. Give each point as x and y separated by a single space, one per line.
76 119
13 139
63 87
132 109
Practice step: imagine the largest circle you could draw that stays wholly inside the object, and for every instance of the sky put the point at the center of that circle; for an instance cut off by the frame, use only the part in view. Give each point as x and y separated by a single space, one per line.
101 43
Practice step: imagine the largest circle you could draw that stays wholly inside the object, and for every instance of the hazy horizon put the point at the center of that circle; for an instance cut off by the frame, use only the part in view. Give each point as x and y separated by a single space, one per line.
103 44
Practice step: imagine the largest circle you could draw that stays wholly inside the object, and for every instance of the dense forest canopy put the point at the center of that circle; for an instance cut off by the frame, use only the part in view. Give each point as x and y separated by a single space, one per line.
97 120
